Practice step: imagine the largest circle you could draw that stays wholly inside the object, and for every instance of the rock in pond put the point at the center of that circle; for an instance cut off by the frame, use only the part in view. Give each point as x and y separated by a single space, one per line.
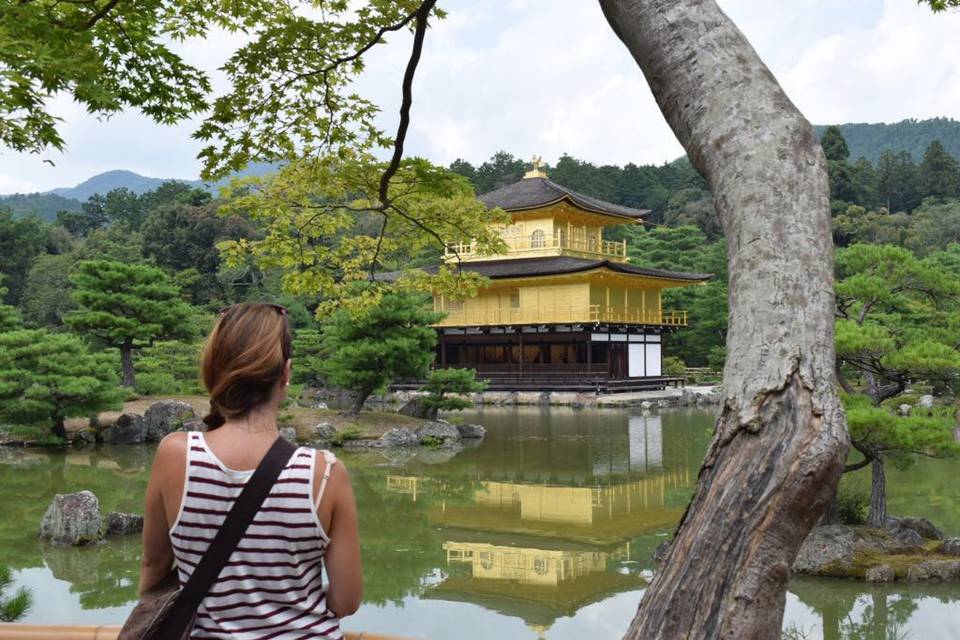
194 425
925 402
441 431
85 437
934 571
289 433
842 551
399 437
468 431
324 431
72 519
415 408
121 524
130 428
165 416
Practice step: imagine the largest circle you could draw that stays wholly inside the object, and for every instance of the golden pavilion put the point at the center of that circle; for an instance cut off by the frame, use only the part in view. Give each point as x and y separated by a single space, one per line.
565 308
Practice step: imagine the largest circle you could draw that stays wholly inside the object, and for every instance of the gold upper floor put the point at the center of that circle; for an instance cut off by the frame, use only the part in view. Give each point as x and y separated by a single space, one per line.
558 229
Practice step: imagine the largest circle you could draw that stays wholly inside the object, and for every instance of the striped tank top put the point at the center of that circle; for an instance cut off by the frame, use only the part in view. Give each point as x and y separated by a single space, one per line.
272 585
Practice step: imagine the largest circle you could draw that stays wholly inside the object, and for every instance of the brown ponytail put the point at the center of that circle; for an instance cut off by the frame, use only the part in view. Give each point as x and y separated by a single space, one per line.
243 359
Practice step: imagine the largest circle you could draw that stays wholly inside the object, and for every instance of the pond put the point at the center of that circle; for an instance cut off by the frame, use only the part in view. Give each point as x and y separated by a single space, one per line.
544 529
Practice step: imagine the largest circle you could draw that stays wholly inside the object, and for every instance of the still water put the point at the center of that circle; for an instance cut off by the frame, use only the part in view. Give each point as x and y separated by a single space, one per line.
543 530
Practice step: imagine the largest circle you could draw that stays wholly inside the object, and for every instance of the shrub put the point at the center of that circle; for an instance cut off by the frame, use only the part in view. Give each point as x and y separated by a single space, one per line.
674 367
852 504
441 382
349 432
17 606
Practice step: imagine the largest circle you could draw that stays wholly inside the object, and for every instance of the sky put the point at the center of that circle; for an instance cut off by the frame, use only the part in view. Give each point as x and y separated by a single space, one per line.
549 77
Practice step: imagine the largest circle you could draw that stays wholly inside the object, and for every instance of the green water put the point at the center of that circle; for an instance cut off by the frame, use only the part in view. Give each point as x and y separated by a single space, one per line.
543 529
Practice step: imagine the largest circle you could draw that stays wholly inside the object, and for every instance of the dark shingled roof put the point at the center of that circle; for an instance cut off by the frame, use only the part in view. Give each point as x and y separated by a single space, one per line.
557 265
531 193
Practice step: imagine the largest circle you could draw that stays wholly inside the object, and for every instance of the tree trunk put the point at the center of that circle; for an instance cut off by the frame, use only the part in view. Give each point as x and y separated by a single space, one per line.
59 428
878 494
780 442
359 401
126 364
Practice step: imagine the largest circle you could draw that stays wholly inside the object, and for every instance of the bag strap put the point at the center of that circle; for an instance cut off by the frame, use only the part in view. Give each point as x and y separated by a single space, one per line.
244 509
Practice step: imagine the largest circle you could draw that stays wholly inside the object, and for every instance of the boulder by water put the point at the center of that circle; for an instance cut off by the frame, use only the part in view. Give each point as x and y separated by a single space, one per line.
922 526
446 433
72 519
121 524
951 547
471 431
925 402
165 416
399 437
130 428
416 408
289 433
324 431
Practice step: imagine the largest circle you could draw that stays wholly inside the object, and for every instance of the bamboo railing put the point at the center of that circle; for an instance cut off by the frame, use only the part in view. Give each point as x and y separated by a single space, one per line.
107 632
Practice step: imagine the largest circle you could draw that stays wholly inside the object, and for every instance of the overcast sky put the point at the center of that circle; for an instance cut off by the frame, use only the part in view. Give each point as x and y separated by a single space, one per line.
549 77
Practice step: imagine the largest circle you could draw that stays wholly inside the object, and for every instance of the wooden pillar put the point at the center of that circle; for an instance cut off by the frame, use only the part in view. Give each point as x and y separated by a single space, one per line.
443 351
521 351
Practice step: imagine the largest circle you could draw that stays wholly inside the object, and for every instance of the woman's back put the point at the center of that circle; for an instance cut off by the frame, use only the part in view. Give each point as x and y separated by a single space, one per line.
272 586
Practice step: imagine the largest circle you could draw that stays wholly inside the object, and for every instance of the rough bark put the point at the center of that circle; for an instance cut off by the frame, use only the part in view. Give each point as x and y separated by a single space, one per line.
358 401
878 494
126 364
774 463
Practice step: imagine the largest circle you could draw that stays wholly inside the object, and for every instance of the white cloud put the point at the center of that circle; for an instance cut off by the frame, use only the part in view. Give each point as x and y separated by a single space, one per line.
548 77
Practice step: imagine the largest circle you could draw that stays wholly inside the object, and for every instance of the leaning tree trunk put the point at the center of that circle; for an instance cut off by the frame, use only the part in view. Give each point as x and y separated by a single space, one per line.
780 441
878 494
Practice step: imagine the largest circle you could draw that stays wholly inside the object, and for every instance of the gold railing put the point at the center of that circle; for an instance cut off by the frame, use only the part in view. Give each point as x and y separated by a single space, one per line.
551 315
533 245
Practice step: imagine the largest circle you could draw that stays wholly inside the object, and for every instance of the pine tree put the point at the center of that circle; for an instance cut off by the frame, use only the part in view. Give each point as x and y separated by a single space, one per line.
392 340
939 173
47 377
898 322
307 356
834 144
17 606
443 382
127 306
9 316
898 182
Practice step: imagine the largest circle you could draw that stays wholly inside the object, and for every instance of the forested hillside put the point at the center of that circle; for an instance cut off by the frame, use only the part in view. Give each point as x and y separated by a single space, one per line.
870 141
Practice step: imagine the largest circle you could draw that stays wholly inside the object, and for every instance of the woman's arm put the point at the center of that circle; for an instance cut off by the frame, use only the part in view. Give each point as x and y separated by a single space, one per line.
343 555
166 477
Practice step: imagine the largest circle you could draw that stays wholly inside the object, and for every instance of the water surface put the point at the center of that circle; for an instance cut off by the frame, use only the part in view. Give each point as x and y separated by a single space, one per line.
543 529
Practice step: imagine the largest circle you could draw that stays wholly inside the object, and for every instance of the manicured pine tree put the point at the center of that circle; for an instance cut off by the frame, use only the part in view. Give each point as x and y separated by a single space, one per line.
127 306
939 173
9 316
367 351
441 383
47 377
307 356
898 322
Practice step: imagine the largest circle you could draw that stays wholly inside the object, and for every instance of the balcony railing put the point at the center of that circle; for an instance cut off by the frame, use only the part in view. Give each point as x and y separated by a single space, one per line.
552 315
534 244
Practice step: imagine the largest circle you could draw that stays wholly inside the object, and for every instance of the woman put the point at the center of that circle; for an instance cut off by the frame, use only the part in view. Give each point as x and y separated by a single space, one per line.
272 587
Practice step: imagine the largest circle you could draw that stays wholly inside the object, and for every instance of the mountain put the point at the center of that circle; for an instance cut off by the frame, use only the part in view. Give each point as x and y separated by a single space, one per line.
45 205
42 205
110 180
914 136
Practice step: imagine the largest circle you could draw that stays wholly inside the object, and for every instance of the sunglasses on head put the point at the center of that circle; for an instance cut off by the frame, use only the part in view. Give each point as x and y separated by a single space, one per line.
282 310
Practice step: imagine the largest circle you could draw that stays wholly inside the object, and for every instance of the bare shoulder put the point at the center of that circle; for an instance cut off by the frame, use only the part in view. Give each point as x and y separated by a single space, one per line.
172 449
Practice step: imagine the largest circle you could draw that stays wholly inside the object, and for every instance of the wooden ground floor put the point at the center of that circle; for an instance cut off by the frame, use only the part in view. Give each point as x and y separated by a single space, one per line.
601 358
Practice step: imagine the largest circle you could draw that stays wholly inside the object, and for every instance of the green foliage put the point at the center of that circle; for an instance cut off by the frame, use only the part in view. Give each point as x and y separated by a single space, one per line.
16 606
898 182
41 205
443 382
21 241
391 340
127 306
880 432
940 5
431 442
349 432
307 357
852 504
674 367
939 173
834 144
871 140
326 229
48 377
9 316
169 368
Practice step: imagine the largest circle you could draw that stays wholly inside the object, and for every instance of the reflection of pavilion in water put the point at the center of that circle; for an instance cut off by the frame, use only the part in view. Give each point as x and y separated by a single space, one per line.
540 550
